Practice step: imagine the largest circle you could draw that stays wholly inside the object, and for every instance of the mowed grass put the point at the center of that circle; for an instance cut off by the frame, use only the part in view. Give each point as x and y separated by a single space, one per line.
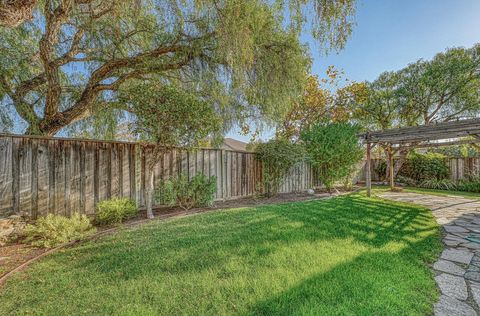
467 195
345 256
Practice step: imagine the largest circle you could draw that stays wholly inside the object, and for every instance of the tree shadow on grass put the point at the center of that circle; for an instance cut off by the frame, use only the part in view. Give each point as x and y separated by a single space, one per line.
209 241
360 287
371 248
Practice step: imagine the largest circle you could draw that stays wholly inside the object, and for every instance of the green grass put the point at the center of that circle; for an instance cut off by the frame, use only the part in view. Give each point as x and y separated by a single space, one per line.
468 195
344 256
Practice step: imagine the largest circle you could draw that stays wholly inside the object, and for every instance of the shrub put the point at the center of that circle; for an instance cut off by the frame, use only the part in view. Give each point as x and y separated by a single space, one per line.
442 184
421 167
115 211
277 157
406 180
472 184
196 192
335 149
53 230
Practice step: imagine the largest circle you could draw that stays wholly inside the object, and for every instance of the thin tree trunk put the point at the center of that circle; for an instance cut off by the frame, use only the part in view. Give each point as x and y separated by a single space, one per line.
149 193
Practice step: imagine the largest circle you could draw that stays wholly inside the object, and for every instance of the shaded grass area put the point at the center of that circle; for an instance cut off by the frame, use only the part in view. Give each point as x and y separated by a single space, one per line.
343 256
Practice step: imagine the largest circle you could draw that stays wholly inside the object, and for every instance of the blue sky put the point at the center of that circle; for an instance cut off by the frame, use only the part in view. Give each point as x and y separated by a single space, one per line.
392 33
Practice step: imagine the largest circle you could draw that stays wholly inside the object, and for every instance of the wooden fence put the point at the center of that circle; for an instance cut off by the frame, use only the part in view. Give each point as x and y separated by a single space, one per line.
41 175
460 168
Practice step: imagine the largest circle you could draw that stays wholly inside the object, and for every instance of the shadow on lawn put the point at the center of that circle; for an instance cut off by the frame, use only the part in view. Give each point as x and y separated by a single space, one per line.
188 245
388 290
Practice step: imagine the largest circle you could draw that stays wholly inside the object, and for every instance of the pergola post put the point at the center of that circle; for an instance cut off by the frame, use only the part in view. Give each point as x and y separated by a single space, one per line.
368 174
390 157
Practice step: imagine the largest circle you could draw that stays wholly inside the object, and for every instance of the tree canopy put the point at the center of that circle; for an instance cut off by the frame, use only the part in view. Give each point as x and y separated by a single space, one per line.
442 89
318 103
73 58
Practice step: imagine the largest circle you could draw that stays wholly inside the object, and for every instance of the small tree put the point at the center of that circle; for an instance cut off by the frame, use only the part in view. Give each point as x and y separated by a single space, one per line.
277 157
168 116
334 148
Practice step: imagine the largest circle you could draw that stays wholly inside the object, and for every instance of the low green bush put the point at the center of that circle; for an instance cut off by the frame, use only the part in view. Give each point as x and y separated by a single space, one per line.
405 180
421 167
418 168
471 184
196 192
53 230
442 184
115 211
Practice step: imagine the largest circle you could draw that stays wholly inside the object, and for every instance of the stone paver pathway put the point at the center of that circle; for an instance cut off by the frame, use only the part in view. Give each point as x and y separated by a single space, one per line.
457 271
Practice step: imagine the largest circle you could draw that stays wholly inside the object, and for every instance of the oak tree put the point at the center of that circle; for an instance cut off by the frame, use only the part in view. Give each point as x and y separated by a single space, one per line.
72 58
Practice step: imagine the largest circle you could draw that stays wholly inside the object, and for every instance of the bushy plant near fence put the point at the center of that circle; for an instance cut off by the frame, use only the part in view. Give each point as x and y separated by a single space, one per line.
277 157
333 148
53 230
418 168
196 192
465 185
115 211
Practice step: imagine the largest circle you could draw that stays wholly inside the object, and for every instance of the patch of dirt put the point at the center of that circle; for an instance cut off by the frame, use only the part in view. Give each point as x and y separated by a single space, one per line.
13 255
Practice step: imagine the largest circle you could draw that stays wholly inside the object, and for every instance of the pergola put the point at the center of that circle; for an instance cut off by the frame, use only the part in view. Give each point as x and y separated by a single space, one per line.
432 135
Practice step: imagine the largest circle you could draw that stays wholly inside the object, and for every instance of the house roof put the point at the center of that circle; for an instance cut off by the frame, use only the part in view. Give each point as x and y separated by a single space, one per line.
234 144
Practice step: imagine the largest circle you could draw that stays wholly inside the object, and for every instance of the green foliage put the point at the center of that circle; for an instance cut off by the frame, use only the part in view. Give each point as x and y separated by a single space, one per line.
439 184
244 57
470 184
420 167
277 157
53 230
169 115
199 191
442 89
334 148
115 211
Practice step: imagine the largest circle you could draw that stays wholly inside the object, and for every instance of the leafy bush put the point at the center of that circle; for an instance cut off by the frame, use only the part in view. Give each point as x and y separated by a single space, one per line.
277 157
197 192
406 180
472 184
381 169
335 149
53 230
115 211
421 167
442 184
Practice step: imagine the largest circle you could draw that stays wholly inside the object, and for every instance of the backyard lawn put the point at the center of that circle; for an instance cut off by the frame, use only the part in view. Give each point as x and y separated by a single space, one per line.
341 256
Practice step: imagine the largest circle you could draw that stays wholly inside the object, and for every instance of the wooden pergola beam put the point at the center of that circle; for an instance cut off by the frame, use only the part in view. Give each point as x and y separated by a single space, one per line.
426 132
443 144
419 134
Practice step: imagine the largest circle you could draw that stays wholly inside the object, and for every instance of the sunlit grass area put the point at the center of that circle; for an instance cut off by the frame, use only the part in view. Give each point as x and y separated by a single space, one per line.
468 195
342 256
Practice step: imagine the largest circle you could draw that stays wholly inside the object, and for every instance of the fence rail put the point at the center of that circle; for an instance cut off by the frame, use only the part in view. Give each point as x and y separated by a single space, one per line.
40 175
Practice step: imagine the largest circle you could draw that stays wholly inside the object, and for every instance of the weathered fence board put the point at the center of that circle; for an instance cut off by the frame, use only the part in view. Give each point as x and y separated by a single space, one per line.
40 175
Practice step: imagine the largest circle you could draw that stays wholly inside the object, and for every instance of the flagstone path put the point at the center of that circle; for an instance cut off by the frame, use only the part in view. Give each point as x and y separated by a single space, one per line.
457 271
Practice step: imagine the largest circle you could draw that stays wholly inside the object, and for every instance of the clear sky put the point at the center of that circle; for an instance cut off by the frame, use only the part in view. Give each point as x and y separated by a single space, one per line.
392 33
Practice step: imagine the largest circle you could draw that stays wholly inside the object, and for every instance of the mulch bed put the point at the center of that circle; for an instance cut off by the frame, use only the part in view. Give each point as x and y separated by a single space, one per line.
15 255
